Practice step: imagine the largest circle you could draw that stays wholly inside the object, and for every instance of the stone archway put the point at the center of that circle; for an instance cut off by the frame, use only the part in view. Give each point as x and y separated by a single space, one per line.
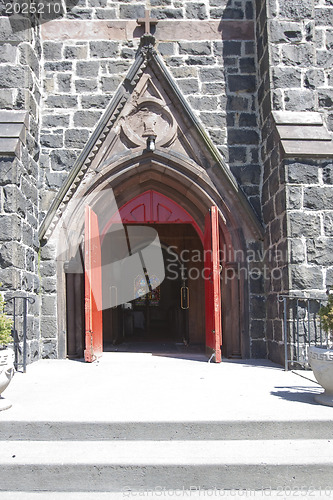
184 165
127 183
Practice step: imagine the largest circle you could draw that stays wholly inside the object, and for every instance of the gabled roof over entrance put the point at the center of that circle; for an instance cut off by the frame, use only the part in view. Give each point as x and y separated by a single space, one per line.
149 103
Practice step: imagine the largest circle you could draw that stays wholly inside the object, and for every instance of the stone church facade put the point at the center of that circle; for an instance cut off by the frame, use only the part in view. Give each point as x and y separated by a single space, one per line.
237 96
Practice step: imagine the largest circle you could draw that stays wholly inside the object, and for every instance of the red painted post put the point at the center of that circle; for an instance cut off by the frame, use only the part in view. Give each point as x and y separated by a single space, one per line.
212 284
93 288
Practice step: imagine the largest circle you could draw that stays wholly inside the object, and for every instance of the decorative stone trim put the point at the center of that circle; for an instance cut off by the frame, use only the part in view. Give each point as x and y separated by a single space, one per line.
303 134
59 30
13 127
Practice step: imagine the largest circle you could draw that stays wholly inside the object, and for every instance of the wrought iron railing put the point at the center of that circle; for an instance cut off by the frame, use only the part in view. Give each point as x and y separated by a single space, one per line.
20 341
302 328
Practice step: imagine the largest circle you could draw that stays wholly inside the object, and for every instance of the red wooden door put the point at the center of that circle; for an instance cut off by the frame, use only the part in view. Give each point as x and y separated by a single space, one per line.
93 288
212 285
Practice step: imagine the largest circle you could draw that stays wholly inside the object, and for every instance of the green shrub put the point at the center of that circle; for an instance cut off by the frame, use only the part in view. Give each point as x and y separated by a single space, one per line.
6 324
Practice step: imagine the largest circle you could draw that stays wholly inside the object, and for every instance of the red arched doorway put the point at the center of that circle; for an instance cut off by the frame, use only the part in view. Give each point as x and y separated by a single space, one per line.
152 207
197 304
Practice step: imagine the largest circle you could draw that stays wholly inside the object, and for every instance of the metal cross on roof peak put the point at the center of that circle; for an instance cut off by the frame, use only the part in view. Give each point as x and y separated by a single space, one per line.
147 21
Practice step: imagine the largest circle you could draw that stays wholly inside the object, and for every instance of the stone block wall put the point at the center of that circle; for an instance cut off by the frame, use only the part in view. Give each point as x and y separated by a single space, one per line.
80 78
276 257
301 56
310 219
275 254
19 179
293 63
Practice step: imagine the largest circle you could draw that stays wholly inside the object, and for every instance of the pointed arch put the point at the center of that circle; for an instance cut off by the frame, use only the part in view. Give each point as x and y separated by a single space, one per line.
183 137
151 207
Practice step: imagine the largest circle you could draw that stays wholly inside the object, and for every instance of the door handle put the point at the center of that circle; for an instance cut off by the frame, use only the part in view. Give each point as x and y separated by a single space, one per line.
184 297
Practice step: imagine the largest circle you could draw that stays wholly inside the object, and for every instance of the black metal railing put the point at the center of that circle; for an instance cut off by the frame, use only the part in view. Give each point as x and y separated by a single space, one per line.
302 328
20 312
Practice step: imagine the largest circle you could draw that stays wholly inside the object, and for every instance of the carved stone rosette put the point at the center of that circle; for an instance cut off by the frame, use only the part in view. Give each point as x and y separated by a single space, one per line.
149 118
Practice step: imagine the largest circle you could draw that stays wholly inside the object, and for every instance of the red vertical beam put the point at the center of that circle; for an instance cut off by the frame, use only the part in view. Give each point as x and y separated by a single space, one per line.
93 288
212 285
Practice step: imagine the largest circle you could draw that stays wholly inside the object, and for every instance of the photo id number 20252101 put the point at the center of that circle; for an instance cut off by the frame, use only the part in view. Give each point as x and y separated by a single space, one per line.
31 8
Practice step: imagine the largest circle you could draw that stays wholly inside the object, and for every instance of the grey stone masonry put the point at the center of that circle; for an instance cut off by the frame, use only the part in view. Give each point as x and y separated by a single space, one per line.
19 174
80 78
303 133
301 56
19 241
310 215
296 192
13 130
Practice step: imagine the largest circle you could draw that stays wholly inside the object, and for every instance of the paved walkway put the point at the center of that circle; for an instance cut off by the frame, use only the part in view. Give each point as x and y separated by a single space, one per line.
146 387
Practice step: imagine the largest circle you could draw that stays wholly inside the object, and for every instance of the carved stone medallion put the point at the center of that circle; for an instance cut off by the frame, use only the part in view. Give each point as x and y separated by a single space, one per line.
149 118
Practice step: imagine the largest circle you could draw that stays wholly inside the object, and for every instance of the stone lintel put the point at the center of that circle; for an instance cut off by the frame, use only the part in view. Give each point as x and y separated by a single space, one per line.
13 125
171 30
306 132
319 149
9 147
13 116
303 134
12 130
297 118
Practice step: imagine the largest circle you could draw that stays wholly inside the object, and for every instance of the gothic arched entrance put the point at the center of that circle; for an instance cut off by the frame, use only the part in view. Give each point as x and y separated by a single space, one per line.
184 204
178 160
122 301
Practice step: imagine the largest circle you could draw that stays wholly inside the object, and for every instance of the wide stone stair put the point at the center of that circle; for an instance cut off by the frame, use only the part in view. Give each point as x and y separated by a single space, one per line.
163 426
157 456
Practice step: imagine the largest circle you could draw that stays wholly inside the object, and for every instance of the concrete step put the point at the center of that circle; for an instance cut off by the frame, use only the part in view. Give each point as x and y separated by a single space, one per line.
166 431
124 466
283 493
